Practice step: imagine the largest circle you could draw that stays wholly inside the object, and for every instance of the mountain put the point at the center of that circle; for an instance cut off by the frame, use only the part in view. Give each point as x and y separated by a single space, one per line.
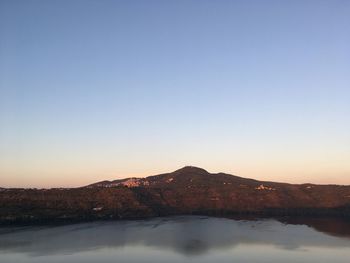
189 190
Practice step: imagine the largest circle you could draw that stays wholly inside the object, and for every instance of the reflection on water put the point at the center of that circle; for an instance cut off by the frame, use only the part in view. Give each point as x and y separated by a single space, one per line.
180 239
339 227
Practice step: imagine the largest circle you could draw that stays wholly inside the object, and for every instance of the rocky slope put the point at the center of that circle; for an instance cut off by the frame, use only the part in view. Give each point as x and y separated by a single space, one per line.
189 190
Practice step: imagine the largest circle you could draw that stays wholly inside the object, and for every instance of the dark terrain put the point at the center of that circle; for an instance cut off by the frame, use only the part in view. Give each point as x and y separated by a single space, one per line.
189 190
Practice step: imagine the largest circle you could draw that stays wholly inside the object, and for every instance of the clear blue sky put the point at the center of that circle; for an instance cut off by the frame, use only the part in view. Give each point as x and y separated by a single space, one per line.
93 90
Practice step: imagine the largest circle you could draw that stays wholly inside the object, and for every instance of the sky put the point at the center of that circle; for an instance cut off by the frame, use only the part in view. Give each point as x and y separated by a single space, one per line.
99 90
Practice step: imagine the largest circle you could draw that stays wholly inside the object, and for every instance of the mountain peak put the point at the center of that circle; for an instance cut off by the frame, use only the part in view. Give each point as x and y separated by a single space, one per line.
191 169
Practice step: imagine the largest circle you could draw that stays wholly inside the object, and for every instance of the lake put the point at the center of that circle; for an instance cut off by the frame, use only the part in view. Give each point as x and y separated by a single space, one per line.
180 239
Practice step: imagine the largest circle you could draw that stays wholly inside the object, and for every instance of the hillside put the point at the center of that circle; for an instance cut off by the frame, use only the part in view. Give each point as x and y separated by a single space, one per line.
189 190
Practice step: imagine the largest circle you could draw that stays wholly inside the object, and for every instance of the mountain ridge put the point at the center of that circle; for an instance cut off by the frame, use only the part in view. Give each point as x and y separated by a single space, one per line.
188 190
198 170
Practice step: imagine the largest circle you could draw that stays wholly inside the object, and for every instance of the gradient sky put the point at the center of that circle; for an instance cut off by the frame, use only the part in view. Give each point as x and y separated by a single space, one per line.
94 90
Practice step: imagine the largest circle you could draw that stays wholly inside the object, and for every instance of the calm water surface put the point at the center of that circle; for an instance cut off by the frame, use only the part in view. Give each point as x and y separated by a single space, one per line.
180 239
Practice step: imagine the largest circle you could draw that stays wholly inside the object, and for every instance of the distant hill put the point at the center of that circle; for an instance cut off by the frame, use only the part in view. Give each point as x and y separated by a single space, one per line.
189 190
